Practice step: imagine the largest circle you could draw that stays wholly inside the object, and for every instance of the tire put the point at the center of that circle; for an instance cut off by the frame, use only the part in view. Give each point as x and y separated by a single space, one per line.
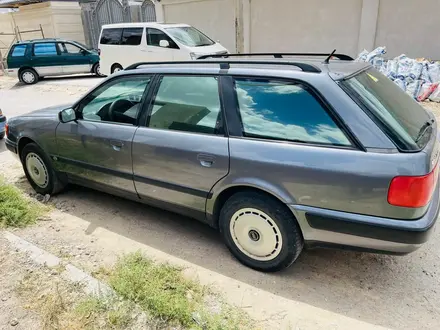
97 70
44 179
29 76
116 68
270 245
2 135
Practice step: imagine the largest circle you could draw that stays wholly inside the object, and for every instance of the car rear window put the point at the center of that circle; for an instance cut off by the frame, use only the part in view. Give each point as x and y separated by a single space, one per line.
111 36
400 116
19 51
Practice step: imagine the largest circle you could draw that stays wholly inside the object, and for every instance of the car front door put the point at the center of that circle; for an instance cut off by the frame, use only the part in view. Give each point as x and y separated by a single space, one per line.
181 151
46 59
154 52
75 59
96 149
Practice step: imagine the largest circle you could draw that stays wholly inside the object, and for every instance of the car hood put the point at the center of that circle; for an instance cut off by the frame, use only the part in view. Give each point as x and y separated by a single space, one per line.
48 112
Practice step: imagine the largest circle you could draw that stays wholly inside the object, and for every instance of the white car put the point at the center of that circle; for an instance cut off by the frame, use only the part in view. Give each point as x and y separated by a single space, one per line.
124 44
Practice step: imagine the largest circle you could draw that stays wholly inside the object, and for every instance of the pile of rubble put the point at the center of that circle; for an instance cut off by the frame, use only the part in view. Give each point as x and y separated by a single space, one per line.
420 78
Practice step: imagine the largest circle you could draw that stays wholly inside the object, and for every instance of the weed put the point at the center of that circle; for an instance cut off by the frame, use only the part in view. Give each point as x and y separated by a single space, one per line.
164 293
15 209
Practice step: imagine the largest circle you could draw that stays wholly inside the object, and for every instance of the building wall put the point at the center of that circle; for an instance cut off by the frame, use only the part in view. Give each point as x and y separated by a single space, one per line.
58 19
409 27
215 18
403 26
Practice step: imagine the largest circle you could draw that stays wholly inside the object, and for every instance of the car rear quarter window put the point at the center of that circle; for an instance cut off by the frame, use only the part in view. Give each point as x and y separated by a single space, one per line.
285 111
187 103
111 37
132 36
45 49
401 117
19 51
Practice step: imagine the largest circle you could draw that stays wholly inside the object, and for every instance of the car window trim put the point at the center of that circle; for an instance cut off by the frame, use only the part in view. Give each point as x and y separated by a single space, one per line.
145 118
355 143
142 103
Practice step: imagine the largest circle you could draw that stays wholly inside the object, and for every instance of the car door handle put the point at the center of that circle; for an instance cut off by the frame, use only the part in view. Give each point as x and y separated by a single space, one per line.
116 145
206 160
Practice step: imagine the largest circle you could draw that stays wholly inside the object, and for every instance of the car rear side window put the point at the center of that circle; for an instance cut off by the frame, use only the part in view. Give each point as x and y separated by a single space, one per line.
111 37
19 51
285 111
187 103
132 36
401 117
45 49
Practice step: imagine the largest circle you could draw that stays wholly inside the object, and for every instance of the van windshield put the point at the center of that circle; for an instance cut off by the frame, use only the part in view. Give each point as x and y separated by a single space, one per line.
401 117
189 36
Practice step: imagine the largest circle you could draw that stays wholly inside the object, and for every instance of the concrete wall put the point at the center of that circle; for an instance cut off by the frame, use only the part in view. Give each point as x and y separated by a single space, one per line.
410 27
58 19
216 18
403 26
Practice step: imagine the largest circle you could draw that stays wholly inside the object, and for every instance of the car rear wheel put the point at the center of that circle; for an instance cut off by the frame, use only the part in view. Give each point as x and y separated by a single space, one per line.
116 68
260 231
39 170
29 76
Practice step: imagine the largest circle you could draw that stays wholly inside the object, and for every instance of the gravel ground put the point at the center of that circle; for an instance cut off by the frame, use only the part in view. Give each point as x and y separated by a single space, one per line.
395 292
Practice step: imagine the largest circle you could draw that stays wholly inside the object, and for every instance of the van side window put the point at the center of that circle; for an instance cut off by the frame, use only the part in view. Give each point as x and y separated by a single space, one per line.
45 49
111 37
19 51
285 111
132 36
188 104
154 36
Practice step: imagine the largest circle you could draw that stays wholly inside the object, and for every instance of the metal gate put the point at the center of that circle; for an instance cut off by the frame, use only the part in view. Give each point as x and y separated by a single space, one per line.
148 11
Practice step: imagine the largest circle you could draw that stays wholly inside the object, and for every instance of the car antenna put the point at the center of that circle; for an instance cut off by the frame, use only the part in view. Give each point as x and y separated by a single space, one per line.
327 60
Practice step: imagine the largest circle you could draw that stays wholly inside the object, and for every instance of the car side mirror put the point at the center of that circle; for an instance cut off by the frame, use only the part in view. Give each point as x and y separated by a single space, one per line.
67 115
164 43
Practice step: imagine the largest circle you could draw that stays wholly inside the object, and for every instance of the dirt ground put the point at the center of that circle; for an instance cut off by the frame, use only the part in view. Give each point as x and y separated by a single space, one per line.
394 292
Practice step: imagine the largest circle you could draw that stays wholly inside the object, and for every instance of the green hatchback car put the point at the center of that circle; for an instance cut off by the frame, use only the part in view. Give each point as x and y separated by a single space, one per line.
34 59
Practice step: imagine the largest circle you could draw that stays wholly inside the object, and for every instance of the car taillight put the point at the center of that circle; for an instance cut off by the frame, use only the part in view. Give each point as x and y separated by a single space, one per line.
7 129
413 191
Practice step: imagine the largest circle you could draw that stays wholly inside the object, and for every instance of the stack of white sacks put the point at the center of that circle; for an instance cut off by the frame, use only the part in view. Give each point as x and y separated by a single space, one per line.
419 78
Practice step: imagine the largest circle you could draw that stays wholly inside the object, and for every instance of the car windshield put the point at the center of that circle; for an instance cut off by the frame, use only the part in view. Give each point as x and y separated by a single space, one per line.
82 45
190 36
401 117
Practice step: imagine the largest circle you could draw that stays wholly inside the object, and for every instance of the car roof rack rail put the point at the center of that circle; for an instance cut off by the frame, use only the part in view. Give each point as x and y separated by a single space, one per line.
226 64
342 57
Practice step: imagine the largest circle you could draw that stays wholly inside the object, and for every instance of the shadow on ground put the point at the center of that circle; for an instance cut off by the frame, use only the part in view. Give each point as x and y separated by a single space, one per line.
396 292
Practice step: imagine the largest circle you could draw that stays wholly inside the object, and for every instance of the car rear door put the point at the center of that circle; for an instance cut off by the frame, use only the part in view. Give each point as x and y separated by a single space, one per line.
96 149
46 59
181 151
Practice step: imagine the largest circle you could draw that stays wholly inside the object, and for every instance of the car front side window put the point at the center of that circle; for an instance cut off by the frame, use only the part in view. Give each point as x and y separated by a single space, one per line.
285 111
118 101
154 36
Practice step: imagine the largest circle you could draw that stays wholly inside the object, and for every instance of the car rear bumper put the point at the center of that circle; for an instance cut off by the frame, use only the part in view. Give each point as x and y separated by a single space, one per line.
328 228
11 146
12 73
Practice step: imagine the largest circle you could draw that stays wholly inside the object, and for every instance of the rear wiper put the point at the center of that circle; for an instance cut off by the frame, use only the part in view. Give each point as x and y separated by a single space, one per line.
424 129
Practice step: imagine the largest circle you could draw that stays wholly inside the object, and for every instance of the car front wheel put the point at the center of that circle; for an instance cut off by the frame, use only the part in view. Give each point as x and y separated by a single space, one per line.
260 231
29 76
39 170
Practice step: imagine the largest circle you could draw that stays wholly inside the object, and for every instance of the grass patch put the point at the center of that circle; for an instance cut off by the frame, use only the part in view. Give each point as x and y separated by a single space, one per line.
15 209
164 293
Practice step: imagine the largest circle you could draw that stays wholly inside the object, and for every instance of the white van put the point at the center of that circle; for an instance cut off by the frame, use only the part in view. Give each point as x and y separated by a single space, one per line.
124 44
